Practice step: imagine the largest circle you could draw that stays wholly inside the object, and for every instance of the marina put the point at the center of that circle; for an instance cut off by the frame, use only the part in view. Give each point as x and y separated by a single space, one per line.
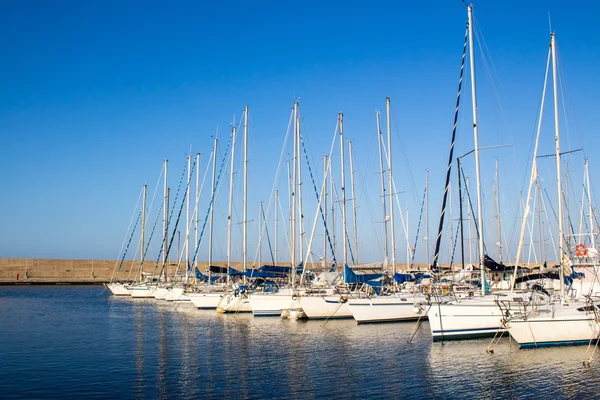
408 240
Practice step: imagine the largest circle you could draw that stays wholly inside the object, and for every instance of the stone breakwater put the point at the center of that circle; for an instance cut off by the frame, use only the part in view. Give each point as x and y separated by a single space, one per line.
40 270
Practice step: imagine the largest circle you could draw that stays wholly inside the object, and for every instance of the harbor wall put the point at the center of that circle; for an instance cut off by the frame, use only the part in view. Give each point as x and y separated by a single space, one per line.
40 271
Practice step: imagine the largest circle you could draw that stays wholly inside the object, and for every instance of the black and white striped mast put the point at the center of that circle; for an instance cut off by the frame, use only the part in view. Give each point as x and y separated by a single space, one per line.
450 157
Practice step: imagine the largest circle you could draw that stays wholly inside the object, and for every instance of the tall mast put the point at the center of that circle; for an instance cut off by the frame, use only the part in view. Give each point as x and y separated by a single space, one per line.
300 211
230 211
143 233
325 209
212 210
167 233
290 209
558 178
276 227
390 183
165 219
353 204
197 199
476 141
260 224
187 219
385 218
427 217
294 197
245 212
344 233
408 258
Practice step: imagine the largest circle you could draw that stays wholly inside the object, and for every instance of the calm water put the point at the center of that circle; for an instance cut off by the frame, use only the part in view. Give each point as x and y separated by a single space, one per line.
80 342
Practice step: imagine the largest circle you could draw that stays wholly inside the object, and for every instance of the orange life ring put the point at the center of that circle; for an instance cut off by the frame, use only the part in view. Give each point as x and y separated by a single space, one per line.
581 250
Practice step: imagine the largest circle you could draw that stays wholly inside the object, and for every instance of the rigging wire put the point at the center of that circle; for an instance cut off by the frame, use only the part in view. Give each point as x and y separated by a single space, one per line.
117 265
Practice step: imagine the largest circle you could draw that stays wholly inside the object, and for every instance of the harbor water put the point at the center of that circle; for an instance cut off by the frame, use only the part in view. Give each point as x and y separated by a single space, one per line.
81 342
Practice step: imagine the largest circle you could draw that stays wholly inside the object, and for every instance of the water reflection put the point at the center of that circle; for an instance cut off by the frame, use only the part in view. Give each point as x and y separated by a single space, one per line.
516 373
139 359
82 344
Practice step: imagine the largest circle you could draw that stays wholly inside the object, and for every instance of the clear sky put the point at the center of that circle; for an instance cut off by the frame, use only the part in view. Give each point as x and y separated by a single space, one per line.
95 95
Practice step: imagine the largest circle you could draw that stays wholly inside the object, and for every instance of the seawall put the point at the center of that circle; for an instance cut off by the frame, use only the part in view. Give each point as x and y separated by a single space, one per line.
22 271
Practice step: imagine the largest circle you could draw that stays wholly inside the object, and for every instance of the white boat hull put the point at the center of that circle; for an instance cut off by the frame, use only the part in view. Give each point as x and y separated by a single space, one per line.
543 329
141 291
325 307
160 293
118 289
388 309
205 301
271 305
466 320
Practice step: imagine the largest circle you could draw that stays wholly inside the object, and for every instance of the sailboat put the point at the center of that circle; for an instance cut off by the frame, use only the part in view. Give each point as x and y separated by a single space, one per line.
207 295
568 320
397 305
327 298
145 289
271 302
120 288
476 316
235 300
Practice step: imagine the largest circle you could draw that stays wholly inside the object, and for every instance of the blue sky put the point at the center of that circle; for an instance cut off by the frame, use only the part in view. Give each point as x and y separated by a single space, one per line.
96 95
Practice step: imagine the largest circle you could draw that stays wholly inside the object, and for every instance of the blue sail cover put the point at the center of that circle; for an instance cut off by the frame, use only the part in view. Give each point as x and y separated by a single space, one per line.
234 272
352 277
255 273
401 278
275 269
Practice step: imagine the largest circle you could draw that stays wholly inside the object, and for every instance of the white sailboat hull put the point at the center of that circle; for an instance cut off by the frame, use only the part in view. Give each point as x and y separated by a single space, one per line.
160 293
563 328
141 291
271 305
466 320
205 301
325 307
388 309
